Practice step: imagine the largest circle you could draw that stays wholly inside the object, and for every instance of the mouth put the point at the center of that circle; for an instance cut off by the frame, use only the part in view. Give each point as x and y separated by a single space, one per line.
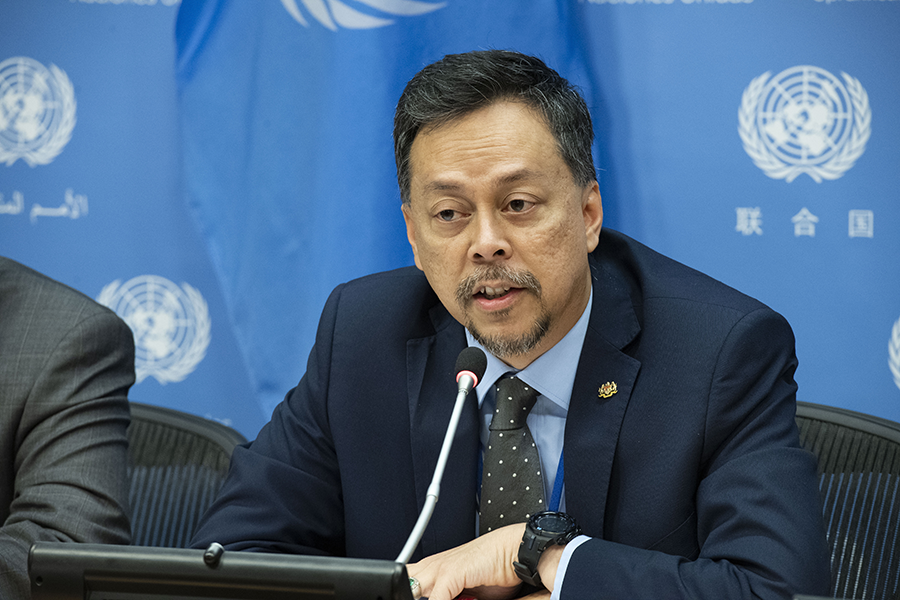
496 288
496 299
492 293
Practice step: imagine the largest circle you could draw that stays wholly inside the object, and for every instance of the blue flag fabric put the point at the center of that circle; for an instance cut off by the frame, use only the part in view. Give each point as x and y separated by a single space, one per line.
755 141
286 114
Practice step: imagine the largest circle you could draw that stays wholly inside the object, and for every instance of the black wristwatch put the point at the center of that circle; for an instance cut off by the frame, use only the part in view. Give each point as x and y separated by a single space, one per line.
544 529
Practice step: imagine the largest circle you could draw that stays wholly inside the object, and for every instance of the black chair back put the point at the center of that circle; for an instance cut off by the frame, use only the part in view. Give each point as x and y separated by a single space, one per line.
177 464
859 478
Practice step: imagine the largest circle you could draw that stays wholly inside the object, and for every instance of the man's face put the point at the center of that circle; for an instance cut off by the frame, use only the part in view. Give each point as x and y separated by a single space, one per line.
501 230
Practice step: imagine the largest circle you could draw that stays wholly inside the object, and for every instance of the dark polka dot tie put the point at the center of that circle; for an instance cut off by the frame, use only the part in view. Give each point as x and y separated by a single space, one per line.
512 488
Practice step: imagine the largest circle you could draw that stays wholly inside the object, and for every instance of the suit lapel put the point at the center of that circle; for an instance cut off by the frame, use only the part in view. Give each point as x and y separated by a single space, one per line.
594 421
431 390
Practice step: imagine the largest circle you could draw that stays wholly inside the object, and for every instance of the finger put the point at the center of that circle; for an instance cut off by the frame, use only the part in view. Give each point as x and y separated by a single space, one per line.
433 583
542 595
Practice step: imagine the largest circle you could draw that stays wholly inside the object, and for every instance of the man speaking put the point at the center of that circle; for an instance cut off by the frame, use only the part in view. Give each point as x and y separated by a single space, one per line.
634 436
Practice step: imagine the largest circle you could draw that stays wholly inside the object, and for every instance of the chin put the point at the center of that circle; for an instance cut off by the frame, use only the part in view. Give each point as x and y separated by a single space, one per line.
511 345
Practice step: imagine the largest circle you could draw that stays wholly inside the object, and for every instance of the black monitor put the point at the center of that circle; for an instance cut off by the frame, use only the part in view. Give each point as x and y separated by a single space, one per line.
67 571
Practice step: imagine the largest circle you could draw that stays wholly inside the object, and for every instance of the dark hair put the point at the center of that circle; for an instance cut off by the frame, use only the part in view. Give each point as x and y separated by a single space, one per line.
459 84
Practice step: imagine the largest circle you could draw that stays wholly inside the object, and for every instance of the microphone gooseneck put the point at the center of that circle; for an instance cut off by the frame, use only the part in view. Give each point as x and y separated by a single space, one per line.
470 366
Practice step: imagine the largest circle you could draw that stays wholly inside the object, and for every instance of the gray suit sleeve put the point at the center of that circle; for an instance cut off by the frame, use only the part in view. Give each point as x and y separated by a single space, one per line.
70 446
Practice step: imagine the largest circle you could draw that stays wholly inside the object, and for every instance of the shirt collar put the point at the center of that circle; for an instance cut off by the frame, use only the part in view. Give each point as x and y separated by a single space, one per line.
552 373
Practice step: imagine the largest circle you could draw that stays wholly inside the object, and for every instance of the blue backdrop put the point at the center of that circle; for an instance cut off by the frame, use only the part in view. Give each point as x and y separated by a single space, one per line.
211 169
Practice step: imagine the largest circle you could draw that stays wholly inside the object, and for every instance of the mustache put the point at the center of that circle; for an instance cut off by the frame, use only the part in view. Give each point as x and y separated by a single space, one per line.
520 279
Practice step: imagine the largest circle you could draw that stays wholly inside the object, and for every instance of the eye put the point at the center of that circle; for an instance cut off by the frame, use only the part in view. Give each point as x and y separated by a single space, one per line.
447 215
519 205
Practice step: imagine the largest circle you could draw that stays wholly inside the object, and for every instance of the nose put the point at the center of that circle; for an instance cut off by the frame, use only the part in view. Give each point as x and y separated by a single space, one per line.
490 241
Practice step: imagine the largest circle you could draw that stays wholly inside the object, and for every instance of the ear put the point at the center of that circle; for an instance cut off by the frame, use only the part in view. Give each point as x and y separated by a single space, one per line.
592 210
411 231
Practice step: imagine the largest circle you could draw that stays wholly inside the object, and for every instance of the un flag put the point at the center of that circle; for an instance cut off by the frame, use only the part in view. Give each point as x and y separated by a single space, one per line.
286 111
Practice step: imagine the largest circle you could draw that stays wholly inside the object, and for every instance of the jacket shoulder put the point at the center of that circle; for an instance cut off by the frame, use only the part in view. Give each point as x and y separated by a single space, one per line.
650 275
25 292
386 304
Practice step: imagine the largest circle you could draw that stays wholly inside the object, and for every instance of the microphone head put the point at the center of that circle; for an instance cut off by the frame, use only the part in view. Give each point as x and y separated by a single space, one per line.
473 361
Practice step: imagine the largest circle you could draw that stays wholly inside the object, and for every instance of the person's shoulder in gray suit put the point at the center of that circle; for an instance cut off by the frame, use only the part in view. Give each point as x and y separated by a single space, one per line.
66 364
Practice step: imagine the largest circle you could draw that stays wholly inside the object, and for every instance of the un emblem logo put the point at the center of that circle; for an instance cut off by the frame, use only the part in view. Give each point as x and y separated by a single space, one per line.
334 13
37 111
804 120
170 325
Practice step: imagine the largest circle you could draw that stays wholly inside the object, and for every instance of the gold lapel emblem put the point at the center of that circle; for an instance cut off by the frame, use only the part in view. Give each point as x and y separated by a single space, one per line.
608 389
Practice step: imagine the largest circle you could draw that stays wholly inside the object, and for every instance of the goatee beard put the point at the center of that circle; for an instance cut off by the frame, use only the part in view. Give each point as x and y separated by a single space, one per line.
504 346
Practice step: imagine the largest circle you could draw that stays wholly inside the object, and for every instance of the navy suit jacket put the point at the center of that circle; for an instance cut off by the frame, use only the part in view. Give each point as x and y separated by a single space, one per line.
689 479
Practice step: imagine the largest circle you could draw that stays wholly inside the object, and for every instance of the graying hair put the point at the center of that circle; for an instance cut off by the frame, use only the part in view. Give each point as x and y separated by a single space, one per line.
459 84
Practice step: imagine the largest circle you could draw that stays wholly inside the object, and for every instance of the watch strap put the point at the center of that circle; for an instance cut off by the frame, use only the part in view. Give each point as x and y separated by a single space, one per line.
532 548
527 575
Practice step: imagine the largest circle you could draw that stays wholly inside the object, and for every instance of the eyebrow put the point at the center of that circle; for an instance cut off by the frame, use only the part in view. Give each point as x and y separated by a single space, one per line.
503 180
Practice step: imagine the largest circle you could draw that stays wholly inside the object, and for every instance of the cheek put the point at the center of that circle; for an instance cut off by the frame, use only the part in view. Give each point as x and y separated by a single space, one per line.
431 255
557 255
558 241
436 261
447 253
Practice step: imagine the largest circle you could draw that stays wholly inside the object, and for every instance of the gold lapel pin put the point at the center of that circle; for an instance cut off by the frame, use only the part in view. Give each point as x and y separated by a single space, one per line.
607 389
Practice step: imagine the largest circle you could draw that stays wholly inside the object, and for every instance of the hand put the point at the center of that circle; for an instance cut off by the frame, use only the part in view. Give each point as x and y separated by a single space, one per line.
541 595
482 568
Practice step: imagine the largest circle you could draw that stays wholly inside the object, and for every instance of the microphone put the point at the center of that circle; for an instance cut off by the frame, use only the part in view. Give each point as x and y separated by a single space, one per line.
470 366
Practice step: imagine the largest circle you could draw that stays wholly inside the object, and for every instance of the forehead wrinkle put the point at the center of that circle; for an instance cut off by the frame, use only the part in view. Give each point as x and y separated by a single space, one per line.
441 186
500 181
518 176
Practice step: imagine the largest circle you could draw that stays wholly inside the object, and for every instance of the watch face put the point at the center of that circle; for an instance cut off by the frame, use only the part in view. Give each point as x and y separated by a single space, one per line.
552 523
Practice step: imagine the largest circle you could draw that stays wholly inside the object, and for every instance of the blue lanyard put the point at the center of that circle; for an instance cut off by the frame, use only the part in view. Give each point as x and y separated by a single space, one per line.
556 494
